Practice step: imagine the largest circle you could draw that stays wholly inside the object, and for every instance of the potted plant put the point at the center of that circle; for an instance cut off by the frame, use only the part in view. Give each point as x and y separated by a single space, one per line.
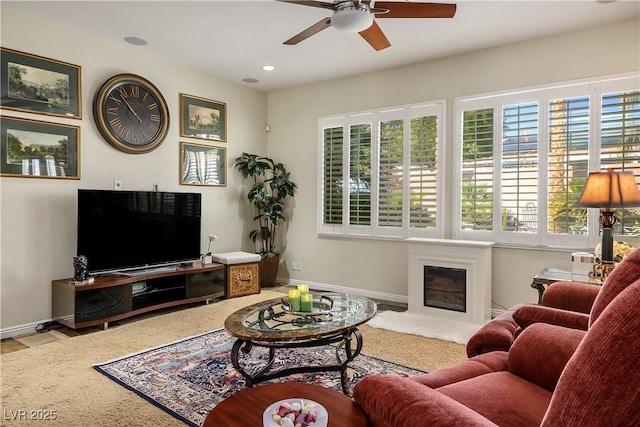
270 187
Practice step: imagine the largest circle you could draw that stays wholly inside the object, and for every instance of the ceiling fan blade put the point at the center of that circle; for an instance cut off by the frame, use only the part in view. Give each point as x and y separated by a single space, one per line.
375 37
311 3
416 10
314 29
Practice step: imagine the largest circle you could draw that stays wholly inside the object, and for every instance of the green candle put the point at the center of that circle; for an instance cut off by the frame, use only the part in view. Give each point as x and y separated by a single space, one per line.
294 300
306 303
303 288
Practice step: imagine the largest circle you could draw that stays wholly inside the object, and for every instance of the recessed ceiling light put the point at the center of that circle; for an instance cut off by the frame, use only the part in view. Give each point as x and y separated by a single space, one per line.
268 67
250 80
135 41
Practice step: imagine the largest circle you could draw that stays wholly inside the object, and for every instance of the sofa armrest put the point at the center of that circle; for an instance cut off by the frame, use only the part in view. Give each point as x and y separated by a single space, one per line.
496 335
527 315
393 401
573 296
486 363
541 352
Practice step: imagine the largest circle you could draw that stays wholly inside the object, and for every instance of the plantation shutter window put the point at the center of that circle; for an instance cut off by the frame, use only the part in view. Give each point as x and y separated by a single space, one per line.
381 172
620 146
423 173
569 121
477 170
390 173
332 178
360 174
550 139
519 164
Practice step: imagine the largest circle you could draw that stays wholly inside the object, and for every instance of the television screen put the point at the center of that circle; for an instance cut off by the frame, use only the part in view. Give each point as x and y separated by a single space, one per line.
119 230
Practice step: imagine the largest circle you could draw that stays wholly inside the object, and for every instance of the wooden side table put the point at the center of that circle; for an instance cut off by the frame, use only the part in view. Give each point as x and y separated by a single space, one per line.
547 276
246 407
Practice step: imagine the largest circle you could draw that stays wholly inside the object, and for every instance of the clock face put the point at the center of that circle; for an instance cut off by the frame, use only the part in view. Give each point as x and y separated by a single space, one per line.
131 114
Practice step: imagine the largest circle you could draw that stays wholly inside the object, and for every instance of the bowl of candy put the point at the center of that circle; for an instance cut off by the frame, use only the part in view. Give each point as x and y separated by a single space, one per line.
295 412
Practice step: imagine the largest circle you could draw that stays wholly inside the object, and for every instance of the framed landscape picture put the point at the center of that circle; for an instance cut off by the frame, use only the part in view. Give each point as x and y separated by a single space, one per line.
203 118
35 149
203 165
40 85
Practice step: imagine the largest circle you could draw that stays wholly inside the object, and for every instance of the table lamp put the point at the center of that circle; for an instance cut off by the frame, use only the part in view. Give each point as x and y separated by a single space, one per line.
608 190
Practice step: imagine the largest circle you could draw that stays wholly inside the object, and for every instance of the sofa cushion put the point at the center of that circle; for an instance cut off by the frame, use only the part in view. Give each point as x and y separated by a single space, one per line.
573 296
541 352
503 398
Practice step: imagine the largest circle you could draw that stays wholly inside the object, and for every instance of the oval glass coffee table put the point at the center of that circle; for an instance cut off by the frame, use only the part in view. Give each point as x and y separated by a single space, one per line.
270 324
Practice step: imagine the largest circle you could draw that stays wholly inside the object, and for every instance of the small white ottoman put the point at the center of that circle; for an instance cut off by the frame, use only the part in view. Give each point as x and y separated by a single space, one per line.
242 272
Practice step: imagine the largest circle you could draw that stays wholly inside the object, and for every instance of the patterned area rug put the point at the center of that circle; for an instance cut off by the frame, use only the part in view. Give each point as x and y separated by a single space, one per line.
189 377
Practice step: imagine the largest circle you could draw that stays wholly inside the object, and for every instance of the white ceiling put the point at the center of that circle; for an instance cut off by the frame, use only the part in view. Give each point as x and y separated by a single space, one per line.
233 39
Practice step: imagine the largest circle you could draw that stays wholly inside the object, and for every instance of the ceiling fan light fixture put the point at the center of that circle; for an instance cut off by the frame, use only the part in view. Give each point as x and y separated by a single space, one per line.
352 18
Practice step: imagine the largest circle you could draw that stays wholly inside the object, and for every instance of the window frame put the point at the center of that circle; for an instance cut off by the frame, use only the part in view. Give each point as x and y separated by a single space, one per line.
595 89
436 108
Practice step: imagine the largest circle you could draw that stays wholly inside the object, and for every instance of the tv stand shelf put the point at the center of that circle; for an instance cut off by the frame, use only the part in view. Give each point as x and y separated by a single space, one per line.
111 298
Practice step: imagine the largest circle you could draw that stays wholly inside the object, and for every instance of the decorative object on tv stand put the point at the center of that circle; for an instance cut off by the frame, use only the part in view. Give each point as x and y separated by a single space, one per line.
81 271
608 190
269 191
206 257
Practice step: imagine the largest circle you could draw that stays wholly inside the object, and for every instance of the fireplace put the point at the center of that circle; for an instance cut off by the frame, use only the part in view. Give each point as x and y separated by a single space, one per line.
450 282
445 288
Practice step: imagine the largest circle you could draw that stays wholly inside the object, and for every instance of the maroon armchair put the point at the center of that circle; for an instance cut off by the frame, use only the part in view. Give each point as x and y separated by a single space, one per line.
551 376
563 303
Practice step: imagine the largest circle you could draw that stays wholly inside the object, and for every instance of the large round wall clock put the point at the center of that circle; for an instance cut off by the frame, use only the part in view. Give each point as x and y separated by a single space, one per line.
131 114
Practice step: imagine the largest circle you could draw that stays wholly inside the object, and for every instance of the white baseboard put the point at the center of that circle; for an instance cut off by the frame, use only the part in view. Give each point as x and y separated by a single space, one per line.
403 299
27 328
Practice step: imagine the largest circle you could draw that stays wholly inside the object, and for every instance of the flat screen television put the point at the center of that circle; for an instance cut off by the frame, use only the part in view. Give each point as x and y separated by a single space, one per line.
126 230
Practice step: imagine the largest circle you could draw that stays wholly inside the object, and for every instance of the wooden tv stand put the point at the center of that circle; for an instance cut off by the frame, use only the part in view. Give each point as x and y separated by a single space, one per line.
113 297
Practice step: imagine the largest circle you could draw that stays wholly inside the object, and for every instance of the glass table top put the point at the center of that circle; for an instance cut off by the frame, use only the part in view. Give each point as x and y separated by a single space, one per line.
273 321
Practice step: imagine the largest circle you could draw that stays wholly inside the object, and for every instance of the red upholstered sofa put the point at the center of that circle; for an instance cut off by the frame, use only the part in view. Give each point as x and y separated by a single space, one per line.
563 303
551 376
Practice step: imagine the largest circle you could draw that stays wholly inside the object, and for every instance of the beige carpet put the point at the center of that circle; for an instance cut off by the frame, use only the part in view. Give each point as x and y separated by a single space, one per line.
59 377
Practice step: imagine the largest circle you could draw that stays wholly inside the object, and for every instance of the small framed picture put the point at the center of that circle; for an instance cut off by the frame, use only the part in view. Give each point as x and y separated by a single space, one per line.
203 118
35 84
35 149
203 165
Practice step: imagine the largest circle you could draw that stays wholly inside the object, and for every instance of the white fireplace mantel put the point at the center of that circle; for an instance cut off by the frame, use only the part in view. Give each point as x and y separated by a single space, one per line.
472 256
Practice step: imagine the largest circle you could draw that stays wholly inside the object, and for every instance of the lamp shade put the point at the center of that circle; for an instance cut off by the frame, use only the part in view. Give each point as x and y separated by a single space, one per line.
610 190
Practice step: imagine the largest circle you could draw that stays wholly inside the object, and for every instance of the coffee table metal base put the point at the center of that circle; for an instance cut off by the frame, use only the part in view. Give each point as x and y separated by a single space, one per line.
349 345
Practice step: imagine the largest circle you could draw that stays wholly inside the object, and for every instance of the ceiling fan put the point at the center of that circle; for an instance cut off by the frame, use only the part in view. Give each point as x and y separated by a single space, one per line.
357 16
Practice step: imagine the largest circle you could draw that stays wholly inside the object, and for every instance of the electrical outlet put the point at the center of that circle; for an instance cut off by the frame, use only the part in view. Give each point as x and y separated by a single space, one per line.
299 266
296 265
117 184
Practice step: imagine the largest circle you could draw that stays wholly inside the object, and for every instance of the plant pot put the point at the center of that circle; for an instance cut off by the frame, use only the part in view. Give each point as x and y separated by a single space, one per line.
206 259
269 270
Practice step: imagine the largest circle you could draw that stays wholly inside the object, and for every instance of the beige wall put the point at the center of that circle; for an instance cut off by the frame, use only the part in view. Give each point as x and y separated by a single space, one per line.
38 216
380 266
38 223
